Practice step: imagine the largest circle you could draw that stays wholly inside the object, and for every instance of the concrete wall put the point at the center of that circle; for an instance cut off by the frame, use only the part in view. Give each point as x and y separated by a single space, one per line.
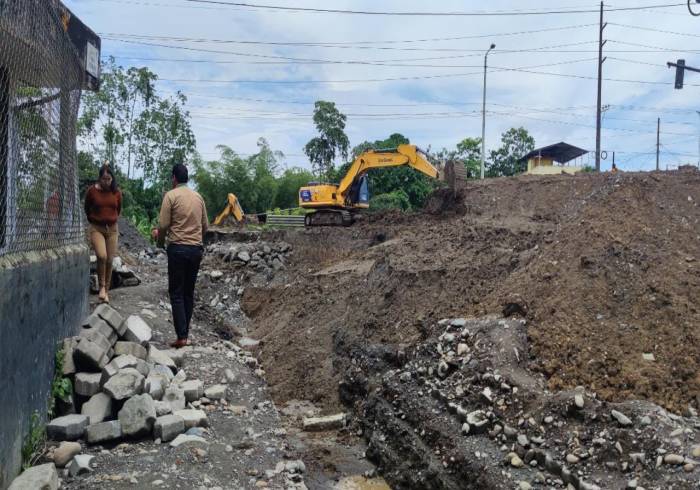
43 298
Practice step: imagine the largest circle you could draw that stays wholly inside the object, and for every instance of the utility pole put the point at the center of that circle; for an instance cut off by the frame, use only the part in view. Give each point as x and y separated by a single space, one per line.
658 141
483 116
601 43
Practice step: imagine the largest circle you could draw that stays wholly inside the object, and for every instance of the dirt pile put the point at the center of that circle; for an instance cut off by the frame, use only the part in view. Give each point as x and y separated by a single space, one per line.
605 268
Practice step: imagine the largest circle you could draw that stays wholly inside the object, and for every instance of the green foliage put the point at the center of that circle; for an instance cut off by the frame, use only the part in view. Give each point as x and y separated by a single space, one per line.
288 185
34 442
61 387
515 143
588 169
332 140
393 200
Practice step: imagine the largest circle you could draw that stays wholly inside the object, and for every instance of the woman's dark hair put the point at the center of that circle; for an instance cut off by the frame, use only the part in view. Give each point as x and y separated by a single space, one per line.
106 169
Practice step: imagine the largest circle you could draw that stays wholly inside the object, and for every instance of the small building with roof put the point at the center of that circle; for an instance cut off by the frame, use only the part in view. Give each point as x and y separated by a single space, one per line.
554 159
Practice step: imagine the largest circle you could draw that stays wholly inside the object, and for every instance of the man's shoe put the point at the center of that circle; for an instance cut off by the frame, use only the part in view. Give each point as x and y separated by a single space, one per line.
178 344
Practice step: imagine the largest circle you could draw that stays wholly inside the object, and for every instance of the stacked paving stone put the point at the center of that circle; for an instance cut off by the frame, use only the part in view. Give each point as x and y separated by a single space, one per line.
124 387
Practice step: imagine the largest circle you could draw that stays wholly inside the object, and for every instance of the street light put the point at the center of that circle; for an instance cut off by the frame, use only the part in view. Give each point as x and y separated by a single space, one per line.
483 115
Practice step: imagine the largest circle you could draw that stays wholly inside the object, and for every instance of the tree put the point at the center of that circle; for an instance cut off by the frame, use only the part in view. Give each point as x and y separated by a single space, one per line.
288 185
515 143
332 140
469 153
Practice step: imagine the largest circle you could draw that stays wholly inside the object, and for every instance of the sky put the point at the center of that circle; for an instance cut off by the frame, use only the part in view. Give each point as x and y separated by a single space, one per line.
251 72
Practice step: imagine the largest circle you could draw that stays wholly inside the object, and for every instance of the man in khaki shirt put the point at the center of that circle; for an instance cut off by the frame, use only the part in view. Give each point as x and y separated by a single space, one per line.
183 217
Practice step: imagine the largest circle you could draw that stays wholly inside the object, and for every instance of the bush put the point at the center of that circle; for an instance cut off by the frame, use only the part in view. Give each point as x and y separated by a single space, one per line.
392 200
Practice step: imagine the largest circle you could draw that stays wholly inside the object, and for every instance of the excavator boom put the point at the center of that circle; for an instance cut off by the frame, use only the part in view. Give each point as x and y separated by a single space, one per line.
334 203
233 208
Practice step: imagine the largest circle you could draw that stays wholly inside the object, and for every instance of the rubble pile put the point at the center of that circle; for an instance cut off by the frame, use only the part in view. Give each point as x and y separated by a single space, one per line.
463 402
260 256
125 388
122 275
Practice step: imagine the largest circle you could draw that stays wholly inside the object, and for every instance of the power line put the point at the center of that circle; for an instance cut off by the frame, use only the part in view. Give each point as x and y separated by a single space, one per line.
348 43
561 10
651 29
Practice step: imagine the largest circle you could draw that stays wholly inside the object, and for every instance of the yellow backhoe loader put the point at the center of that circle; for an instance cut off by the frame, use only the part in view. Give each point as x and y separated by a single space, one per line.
335 204
233 208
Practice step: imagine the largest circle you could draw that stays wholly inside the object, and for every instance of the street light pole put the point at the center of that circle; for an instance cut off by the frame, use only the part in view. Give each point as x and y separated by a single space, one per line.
483 115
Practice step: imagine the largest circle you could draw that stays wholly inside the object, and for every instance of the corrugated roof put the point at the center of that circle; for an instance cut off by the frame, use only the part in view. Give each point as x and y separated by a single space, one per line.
559 152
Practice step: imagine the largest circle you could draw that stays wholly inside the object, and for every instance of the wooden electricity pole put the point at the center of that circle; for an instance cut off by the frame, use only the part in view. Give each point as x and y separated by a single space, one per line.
658 141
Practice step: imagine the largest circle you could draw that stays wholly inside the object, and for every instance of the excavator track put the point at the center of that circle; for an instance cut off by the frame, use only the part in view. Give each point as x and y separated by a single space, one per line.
329 217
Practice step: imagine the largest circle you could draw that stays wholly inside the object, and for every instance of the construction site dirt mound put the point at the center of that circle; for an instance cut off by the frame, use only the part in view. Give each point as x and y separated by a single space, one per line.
605 268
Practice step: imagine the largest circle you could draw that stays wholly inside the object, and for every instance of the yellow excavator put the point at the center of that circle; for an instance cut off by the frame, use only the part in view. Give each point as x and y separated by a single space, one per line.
233 208
335 204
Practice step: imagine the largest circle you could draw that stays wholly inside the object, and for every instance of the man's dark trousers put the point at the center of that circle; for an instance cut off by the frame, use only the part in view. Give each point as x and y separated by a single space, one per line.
183 266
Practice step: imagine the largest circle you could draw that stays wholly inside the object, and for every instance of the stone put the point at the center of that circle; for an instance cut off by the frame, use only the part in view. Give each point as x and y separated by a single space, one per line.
124 385
111 316
230 377
104 431
193 418
137 330
175 397
80 465
137 416
462 349
143 367
515 460
168 427
163 372
621 418
523 485
163 408
578 400
159 357
180 377
124 348
296 466
244 256
689 467
331 422
216 274
478 421
103 335
117 364
67 428
195 431
90 356
97 408
87 384
695 452
69 346
194 389
154 387
65 452
246 342
216 392
572 459
674 459
185 439
523 440
648 357
42 477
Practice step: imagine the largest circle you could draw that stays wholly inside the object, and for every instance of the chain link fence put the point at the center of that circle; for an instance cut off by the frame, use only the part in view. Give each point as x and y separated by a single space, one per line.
40 84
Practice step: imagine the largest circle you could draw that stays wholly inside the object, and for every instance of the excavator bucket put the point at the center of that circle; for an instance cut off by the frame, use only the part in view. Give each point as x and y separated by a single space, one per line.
455 175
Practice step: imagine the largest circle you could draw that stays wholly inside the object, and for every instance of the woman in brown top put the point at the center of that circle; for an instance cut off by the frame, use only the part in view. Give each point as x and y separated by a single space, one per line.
103 205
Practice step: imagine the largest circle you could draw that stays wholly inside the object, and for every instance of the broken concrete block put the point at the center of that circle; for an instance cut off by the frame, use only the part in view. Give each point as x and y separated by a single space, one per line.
137 330
92 321
69 346
216 392
154 387
67 428
97 336
89 356
184 439
80 465
87 384
175 397
168 427
137 416
111 316
160 358
330 422
42 477
107 332
125 384
116 365
97 408
162 408
194 389
193 418
130 348
65 452
176 355
104 431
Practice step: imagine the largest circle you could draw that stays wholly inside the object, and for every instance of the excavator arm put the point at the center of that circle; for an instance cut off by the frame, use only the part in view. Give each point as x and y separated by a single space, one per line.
233 208
403 155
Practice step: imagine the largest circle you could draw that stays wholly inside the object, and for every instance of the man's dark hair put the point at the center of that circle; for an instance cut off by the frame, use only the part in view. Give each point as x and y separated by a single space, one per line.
180 173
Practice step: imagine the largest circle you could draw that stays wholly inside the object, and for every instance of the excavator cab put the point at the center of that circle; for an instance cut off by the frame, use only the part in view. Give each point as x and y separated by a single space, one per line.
359 192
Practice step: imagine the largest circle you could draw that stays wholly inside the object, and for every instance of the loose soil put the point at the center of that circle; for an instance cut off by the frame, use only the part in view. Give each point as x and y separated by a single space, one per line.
604 267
